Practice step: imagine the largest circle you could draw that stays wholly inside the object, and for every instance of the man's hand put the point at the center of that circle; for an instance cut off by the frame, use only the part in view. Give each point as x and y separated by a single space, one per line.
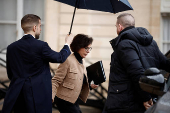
94 86
148 104
69 39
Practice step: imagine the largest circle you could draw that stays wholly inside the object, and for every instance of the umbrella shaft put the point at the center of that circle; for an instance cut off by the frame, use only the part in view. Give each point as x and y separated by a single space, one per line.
73 16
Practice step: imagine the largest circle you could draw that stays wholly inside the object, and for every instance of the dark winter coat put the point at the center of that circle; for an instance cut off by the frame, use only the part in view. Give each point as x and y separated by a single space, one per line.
28 69
134 51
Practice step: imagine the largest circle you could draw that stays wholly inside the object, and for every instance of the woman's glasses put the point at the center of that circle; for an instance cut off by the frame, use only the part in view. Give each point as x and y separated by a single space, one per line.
88 48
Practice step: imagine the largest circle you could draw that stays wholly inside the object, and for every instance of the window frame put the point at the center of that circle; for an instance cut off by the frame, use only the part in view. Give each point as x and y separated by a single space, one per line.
20 14
162 41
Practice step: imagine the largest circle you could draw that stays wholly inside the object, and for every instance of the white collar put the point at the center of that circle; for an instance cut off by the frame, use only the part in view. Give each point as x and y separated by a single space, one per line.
28 34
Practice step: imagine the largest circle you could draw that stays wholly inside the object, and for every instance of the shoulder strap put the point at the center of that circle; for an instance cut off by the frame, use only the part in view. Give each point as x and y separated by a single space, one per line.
139 54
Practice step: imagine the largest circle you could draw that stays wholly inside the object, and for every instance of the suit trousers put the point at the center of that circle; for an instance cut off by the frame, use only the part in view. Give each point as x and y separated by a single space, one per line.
67 107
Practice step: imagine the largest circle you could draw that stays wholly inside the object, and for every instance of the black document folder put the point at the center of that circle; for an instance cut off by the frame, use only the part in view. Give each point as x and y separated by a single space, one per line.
96 73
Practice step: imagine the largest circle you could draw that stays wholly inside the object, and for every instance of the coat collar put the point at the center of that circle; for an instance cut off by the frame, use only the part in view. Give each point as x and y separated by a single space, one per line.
27 36
83 61
114 42
78 57
139 35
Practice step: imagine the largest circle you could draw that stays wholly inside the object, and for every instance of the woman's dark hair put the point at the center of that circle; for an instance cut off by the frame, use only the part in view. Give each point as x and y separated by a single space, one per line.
80 41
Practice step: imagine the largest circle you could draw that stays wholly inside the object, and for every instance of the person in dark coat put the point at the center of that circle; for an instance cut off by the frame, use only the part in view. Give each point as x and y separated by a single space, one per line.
134 51
30 90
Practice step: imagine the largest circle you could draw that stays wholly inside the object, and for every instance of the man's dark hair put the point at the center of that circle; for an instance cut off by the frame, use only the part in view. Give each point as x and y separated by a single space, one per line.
80 41
28 21
126 20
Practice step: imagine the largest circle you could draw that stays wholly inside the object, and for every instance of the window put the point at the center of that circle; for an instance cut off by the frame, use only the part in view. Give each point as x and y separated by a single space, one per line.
11 12
35 7
8 21
165 33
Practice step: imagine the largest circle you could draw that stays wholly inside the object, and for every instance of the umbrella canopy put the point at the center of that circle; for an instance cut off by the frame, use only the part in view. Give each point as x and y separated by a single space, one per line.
112 6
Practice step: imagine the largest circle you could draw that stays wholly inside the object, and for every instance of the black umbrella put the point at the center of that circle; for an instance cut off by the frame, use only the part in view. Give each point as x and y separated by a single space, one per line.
112 6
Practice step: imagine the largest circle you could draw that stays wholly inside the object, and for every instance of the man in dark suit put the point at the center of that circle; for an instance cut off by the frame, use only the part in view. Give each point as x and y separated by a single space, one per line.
30 90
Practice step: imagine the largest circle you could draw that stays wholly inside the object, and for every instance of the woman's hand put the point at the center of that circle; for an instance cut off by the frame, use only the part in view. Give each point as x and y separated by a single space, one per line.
94 86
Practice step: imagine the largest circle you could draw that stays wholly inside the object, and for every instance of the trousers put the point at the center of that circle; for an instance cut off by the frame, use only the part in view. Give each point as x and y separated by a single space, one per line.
67 107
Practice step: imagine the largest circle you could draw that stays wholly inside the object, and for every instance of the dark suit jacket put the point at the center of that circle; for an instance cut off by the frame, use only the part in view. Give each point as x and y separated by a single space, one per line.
28 60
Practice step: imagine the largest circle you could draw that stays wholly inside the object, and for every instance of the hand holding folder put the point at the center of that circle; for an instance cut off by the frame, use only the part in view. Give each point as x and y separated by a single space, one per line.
96 73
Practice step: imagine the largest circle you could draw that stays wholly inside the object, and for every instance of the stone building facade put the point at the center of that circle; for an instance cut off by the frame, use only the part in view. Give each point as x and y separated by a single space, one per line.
101 25
56 19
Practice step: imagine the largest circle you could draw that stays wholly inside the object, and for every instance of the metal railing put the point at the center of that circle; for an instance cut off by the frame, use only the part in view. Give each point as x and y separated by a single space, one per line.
3 83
